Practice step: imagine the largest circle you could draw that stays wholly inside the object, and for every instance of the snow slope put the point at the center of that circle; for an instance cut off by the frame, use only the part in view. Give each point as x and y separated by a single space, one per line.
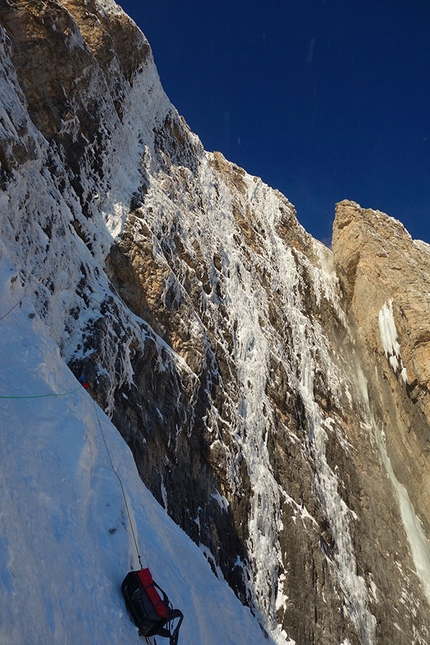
65 539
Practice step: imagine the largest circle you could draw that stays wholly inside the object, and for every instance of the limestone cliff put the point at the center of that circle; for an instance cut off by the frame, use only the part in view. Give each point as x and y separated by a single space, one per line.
214 330
384 276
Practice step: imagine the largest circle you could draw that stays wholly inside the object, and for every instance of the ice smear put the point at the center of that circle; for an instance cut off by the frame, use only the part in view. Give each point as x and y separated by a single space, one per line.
389 338
418 542
256 346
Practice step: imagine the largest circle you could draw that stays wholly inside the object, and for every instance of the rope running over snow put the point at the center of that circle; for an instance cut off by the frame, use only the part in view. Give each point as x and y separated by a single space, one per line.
41 396
121 484
12 308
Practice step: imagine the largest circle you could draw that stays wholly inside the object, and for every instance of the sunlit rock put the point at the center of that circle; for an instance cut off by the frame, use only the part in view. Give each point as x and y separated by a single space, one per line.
253 374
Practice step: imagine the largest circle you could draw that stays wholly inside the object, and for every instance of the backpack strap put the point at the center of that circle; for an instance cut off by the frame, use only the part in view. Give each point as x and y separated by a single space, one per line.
162 606
173 636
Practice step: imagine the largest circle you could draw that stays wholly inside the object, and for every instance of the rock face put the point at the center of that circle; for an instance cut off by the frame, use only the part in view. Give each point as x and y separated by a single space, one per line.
253 373
384 276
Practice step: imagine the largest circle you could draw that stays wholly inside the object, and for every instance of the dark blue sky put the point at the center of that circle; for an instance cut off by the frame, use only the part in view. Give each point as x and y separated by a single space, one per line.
323 99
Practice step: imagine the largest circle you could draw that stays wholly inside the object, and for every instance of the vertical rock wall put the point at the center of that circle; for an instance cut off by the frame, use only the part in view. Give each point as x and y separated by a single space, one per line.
384 276
212 329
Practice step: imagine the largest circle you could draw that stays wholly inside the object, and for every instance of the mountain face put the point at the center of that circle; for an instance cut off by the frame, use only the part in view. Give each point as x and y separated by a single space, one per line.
274 393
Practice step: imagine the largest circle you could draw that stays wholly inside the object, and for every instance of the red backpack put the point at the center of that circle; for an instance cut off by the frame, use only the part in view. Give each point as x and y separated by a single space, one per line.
150 607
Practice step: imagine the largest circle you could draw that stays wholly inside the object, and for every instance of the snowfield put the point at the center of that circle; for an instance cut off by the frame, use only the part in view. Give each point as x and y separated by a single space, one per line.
66 543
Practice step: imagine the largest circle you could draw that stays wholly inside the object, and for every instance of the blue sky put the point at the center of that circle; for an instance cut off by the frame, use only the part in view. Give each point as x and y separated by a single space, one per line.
323 99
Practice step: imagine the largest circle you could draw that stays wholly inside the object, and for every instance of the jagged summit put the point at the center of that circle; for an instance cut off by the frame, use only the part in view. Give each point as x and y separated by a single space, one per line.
274 394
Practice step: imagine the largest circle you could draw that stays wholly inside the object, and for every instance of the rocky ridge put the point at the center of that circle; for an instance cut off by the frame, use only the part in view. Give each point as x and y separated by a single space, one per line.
251 371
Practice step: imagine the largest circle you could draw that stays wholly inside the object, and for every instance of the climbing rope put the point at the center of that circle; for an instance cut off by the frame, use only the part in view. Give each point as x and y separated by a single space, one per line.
12 308
40 396
83 383
121 484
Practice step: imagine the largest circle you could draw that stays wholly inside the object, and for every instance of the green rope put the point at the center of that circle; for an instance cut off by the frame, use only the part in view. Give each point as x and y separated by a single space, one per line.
43 396
40 396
